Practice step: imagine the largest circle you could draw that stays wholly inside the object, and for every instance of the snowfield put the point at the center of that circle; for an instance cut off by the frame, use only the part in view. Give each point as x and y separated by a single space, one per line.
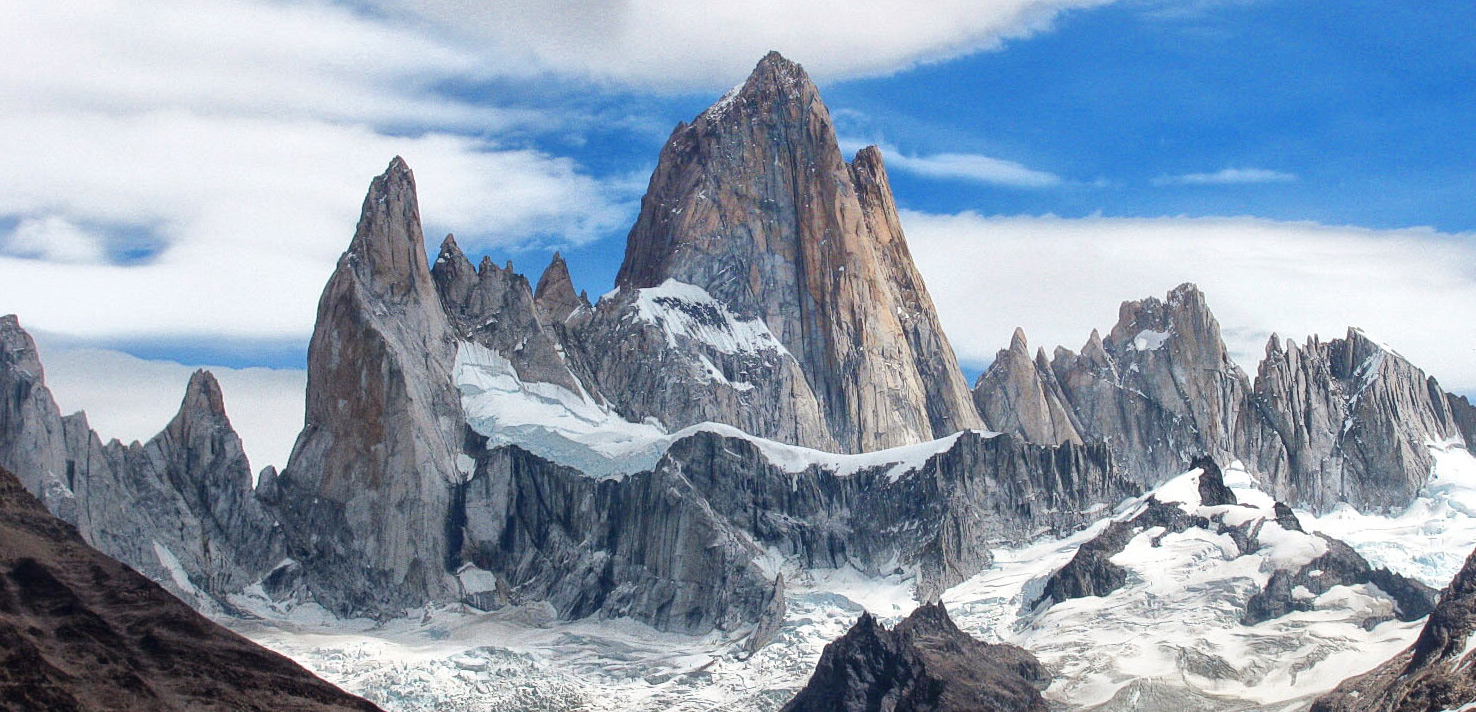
1171 639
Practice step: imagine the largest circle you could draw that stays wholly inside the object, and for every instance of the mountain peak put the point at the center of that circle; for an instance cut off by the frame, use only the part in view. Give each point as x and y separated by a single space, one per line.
773 79
555 298
388 249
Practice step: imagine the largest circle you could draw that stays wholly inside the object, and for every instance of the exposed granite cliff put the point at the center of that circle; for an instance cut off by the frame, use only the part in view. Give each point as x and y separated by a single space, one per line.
753 203
1348 420
179 508
1159 389
924 664
1433 674
1343 421
81 632
365 497
676 545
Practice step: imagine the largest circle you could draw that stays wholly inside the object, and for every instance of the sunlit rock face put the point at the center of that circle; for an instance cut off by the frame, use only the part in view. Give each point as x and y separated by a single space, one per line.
754 203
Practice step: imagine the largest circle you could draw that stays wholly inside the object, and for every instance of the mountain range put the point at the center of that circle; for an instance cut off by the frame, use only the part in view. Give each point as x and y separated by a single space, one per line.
767 390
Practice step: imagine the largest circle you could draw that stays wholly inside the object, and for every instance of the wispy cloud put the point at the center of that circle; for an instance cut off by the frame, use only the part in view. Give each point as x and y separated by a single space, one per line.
1228 176
196 166
972 167
1060 278
706 43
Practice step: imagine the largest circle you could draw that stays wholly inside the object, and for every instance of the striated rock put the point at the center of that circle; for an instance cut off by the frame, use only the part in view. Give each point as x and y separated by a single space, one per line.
675 545
1433 674
495 307
1021 396
31 433
754 204
1159 389
1345 421
179 508
555 297
676 355
365 497
79 631
925 663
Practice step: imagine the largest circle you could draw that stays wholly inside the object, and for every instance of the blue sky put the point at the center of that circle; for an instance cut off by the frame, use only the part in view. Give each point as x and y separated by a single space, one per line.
184 173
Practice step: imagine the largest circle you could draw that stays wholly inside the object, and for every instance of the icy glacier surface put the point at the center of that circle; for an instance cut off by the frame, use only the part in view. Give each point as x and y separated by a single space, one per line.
1171 639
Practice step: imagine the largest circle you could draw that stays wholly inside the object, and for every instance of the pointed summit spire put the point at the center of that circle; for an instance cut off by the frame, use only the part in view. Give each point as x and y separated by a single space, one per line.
388 249
555 297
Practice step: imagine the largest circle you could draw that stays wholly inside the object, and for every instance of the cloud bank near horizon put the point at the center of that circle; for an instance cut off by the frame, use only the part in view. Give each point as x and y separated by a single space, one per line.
1057 278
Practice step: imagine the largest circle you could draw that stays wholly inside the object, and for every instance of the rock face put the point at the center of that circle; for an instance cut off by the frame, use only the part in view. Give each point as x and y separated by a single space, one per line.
1433 674
1159 390
32 438
1345 421
179 508
1021 396
1340 566
80 631
365 497
754 204
923 664
676 545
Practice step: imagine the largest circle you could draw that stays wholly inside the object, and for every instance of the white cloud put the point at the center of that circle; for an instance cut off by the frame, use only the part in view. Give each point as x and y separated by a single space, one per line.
235 139
707 43
1228 176
958 166
55 239
133 399
1060 278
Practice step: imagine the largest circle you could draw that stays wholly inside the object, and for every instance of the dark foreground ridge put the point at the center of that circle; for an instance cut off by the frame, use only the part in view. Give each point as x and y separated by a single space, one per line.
924 664
80 631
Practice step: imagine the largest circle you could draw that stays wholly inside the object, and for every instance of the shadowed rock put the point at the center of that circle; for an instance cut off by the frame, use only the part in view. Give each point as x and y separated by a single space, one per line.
924 664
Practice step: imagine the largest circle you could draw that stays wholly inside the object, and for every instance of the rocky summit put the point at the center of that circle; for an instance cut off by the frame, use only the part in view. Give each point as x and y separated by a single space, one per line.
754 204
1348 420
179 508
760 431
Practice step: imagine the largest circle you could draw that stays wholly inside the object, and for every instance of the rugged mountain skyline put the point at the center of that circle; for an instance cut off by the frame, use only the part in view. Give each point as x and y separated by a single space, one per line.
767 393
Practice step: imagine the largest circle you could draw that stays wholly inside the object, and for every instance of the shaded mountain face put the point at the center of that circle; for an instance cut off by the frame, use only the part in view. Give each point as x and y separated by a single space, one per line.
753 203
924 664
80 631
179 508
366 495
1343 421
1433 674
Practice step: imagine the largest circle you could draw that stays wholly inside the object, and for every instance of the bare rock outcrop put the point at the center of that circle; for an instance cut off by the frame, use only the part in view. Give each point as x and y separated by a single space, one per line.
753 203
1348 420
924 664
180 508
1344 421
1021 396
675 546
365 497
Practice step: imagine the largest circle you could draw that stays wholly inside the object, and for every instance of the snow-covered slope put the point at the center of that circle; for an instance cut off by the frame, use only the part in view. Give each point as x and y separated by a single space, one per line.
572 429
1170 639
